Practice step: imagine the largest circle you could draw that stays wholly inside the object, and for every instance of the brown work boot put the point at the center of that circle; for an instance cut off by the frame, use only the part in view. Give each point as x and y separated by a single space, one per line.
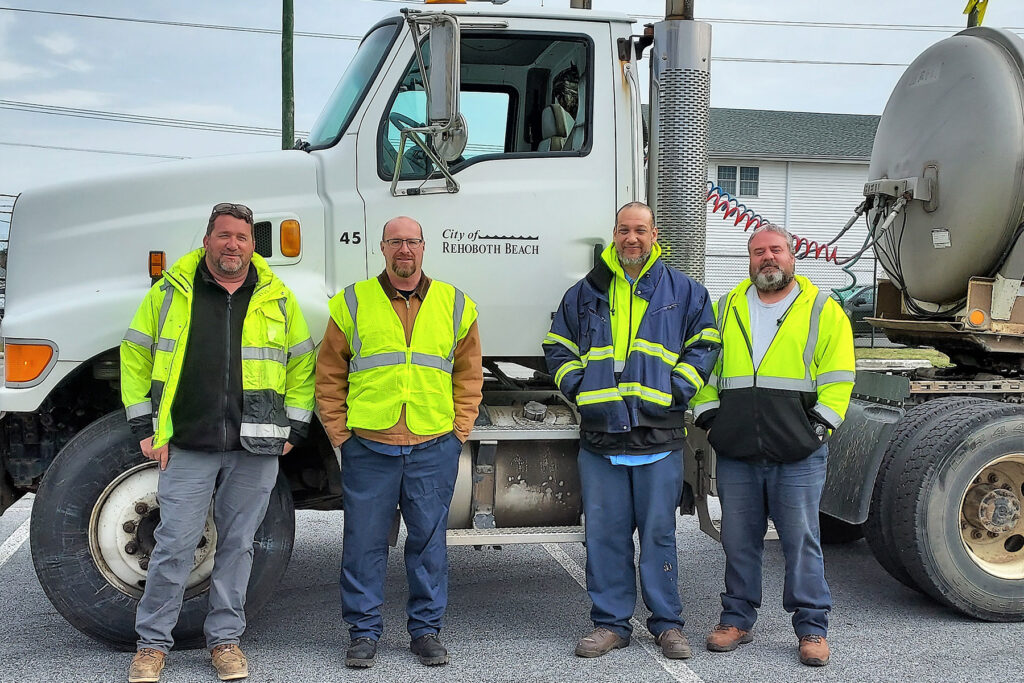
814 650
726 638
146 666
599 642
230 662
674 644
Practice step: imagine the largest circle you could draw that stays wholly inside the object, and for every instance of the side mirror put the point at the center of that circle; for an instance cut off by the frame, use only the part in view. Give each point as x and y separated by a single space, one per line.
443 80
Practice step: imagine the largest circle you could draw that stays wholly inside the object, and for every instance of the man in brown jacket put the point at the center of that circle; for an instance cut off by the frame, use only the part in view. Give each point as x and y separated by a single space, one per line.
398 384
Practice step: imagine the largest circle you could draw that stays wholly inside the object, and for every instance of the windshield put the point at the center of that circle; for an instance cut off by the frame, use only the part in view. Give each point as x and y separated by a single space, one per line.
353 86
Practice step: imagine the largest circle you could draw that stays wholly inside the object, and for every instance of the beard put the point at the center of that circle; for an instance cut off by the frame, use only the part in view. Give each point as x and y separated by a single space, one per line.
228 266
403 269
636 260
771 277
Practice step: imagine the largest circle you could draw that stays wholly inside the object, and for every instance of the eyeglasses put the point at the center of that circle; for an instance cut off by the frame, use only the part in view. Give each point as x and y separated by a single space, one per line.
413 242
237 210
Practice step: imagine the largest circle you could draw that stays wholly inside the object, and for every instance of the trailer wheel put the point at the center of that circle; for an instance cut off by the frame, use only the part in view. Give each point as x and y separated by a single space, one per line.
91 535
835 531
878 527
959 526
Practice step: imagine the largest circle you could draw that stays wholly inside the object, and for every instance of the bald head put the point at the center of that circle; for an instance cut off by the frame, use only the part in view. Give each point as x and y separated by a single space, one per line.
401 224
401 244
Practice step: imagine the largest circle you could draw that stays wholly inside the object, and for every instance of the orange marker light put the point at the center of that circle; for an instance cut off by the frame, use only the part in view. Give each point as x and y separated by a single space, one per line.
445 2
157 263
976 317
291 238
25 362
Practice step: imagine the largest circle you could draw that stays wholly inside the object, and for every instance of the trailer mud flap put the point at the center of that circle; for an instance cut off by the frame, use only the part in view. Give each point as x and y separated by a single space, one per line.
854 454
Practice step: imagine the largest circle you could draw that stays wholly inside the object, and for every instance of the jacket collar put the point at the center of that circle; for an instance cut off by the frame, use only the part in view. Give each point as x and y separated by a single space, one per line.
183 272
392 293
608 268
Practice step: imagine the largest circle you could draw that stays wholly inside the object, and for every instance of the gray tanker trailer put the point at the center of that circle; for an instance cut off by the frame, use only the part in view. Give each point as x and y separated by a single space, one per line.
930 464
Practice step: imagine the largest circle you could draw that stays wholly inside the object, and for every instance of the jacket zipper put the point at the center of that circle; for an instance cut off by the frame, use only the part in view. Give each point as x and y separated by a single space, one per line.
227 380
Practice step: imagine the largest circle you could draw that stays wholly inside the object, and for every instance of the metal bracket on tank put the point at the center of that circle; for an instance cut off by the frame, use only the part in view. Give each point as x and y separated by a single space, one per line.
483 485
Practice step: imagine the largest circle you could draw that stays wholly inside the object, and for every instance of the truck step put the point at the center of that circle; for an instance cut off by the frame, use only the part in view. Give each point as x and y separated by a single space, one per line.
510 535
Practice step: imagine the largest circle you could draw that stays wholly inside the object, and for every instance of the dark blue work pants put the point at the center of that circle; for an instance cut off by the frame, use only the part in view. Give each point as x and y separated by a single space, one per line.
618 499
421 483
791 494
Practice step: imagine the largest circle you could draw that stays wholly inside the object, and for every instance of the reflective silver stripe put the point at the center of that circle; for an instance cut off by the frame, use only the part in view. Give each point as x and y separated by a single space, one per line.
713 380
302 348
263 353
136 337
165 344
553 338
828 415
353 305
785 383
156 423
139 410
460 306
619 365
836 376
376 361
705 407
812 333
428 361
725 383
267 431
298 414
283 305
165 306
722 302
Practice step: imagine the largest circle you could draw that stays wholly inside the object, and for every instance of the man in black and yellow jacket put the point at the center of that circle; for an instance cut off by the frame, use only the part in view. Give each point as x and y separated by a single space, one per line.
782 383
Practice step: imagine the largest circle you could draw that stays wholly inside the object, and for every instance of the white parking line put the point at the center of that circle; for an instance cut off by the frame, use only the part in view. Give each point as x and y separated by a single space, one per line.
675 668
13 542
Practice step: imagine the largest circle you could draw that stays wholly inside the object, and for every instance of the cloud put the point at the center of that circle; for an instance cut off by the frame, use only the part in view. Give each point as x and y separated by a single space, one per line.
81 99
13 71
77 65
60 44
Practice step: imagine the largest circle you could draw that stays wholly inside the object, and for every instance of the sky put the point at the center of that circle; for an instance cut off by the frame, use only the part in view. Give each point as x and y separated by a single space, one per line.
188 69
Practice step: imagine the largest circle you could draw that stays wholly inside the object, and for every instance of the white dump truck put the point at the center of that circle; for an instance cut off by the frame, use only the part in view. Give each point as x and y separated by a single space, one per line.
513 136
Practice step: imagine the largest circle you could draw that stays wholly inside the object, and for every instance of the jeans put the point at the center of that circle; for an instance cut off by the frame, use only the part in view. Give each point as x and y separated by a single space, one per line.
790 493
421 483
617 500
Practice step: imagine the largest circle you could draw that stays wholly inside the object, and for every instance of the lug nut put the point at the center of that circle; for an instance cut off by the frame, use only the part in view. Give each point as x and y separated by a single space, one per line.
963 525
144 564
993 534
129 526
993 477
131 547
976 535
141 508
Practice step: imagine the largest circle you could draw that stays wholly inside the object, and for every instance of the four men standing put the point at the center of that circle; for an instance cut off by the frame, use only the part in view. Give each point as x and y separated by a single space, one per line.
220 351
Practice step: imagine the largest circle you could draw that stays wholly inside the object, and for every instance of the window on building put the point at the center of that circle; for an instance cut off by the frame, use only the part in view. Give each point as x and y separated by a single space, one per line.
748 179
749 176
727 178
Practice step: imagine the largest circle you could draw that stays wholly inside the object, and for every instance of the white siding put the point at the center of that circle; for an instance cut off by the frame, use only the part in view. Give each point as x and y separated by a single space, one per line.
822 197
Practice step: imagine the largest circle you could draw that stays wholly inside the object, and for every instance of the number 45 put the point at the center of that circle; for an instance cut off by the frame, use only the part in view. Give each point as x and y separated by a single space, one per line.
355 238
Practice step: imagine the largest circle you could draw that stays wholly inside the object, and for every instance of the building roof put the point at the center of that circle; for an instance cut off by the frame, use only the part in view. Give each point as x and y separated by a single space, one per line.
759 133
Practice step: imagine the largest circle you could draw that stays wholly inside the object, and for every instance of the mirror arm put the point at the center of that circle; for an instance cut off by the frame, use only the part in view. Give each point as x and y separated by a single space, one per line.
451 186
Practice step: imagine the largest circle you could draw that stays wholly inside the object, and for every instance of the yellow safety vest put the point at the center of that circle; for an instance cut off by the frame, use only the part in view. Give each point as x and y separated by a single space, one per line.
385 373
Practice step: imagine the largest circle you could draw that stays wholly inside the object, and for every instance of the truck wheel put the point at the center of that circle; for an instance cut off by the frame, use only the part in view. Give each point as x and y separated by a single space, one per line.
92 532
958 522
878 527
836 531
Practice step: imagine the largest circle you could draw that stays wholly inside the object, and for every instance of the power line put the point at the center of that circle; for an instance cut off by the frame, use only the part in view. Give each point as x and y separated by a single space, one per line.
96 151
122 117
928 28
184 24
803 61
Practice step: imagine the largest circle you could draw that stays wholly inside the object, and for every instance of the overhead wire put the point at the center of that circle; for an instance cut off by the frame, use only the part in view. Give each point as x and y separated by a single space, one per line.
95 151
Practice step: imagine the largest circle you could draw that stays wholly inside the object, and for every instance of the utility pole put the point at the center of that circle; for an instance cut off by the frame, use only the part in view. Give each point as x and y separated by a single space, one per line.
287 82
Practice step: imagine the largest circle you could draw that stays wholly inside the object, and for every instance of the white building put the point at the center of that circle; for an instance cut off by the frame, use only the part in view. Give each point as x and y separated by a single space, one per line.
802 170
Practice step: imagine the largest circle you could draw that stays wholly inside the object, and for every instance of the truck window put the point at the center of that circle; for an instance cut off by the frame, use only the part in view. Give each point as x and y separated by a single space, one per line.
361 73
521 95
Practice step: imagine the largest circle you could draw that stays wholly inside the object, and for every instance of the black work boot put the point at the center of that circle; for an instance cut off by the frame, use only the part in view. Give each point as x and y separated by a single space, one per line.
361 652
429 650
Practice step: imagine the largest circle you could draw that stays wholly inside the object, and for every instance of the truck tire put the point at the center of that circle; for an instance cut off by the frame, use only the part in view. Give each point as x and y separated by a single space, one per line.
836 531
878 527
80 555
958 524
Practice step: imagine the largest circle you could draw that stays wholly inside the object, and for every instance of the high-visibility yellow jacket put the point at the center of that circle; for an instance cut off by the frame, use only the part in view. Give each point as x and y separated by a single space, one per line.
806 375
385 374
277 358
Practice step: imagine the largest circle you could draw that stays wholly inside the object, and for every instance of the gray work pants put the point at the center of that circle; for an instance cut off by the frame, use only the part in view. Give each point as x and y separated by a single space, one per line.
242 482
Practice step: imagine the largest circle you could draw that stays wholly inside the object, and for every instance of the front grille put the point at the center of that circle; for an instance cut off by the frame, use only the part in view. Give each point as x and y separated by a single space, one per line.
262 234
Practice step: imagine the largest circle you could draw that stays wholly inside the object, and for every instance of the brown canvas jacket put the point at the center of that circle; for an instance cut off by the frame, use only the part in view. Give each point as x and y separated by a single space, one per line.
332 377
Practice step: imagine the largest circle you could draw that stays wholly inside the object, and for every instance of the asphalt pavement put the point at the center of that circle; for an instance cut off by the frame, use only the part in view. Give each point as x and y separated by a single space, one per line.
515 614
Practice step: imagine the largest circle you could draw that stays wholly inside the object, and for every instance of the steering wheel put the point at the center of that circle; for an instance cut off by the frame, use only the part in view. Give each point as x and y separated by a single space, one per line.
401 121
414 159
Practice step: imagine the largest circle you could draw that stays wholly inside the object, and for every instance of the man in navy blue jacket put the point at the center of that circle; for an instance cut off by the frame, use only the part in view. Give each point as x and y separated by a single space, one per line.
631 344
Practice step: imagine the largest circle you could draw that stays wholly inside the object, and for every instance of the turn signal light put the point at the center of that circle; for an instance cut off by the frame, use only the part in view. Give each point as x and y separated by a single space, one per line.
291 238
157 264
445 2
25 362
976 317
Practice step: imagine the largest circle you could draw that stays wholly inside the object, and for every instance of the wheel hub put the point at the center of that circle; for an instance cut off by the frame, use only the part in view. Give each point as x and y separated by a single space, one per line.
991 524
991 509
121 534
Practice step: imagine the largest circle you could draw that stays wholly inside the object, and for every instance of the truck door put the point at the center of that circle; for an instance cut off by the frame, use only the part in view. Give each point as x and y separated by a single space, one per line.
537 180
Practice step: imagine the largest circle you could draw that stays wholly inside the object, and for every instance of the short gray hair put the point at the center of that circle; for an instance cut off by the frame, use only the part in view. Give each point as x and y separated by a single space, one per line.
633 205
778 230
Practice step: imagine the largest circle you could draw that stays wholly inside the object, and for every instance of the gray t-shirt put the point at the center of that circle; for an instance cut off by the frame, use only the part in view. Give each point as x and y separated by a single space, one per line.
765 320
